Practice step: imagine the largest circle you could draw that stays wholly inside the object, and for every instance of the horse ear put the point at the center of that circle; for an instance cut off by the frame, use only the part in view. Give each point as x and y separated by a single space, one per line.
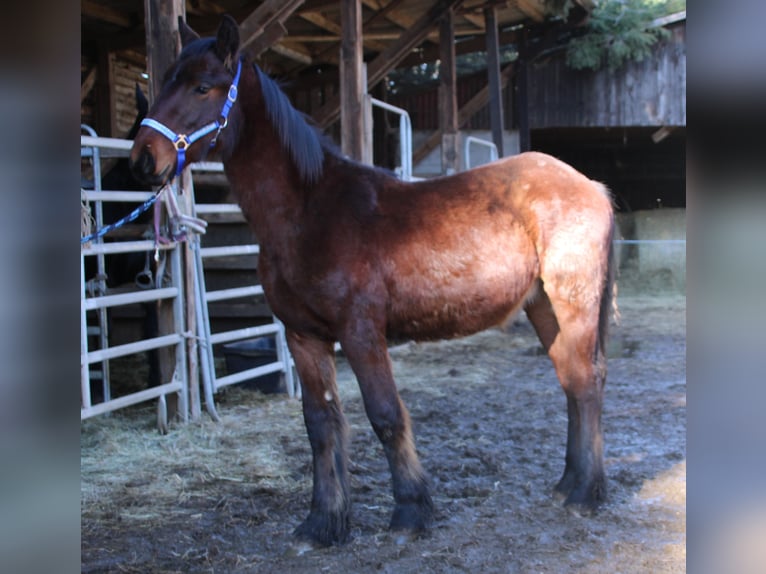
187 34
227 42
142 104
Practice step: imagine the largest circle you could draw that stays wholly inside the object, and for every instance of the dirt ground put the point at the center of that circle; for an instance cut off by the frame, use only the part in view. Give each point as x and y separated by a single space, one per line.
490 424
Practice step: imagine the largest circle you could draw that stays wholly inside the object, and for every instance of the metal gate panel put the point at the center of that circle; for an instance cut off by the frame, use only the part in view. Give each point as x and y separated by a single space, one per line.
96 148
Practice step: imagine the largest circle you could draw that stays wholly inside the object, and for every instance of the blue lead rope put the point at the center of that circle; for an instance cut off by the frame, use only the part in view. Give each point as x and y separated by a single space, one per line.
119 223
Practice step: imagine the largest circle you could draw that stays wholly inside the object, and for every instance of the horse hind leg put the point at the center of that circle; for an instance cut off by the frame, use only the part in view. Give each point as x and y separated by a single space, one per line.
569 332
328 519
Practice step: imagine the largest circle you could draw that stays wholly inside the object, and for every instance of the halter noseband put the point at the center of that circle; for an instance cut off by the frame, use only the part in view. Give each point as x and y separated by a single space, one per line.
182 141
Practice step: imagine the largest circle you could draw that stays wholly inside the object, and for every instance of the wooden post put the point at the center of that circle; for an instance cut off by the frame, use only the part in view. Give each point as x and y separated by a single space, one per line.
493 70
190 311
352 84
448 95
163 45
106 117
522 94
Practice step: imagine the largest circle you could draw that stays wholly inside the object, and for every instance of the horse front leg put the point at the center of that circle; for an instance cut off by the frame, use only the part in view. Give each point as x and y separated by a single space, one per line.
365 347
328 520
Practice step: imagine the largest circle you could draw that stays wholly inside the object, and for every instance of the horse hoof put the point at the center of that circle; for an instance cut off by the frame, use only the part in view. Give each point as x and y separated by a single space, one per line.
559 496
299 548
404 537
585 501
413 518
320 530
580 510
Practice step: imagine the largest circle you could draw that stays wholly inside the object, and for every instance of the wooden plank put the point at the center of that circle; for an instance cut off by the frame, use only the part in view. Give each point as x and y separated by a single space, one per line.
493 72
352 86
448 95
388 59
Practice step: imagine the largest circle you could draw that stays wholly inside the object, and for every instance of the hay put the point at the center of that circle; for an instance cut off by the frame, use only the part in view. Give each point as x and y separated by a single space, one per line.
146 473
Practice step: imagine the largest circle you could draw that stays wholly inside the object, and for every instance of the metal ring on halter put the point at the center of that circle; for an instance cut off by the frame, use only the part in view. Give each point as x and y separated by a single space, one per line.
181 141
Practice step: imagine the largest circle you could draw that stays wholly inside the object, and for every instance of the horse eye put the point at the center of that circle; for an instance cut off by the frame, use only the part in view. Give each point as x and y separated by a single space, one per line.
202 89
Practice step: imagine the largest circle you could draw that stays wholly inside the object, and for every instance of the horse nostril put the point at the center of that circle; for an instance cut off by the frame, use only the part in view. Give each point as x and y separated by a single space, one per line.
143 166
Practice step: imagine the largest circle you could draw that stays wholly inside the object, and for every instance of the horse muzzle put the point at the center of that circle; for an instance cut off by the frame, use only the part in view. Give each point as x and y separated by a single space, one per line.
144 168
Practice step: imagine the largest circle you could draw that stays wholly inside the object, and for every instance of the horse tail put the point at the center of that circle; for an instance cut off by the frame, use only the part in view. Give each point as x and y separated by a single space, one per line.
608 309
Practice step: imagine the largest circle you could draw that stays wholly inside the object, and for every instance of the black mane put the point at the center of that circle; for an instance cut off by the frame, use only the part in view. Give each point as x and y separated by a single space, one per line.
302 141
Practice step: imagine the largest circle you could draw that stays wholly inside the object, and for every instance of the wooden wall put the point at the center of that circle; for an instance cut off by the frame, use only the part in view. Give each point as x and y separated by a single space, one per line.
110 105
647 93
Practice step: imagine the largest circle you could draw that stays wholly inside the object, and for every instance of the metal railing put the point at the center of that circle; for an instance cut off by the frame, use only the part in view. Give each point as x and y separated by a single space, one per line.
473 140
404 171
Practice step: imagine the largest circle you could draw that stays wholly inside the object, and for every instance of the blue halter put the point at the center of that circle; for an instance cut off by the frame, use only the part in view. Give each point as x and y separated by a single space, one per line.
181 141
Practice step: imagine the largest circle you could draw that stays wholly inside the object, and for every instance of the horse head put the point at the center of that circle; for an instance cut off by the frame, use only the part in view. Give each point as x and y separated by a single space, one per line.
195 105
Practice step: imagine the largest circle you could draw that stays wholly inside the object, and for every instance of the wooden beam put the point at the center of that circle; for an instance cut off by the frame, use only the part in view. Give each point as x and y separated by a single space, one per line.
390 13
464 114
448 95
163 45
352 86
294 51
98 11
493 72
389 58
325 23
532 8
261 19
522 93
272 34
87 84
162 39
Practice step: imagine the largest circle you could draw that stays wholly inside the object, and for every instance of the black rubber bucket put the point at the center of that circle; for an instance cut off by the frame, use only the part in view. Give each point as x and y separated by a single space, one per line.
251 353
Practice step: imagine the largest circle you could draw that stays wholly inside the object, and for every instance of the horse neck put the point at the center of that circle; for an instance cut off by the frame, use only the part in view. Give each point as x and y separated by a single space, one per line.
260 170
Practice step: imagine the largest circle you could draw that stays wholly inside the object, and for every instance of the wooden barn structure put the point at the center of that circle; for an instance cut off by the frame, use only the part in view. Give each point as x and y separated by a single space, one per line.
334 56
334 52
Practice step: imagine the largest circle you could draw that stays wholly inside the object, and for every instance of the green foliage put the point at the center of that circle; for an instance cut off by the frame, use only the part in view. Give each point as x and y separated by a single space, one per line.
620 31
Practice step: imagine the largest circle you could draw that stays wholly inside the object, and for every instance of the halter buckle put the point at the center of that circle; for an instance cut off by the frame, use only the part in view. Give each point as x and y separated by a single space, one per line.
232 95
181 143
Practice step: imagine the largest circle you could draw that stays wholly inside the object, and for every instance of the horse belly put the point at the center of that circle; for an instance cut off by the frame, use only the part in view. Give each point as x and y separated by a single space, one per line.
440 294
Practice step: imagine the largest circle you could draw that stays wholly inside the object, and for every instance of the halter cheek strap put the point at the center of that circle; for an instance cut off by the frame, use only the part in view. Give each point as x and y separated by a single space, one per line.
182 141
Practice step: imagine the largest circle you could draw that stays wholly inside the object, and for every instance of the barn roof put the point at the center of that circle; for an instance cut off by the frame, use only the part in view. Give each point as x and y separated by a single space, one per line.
289 37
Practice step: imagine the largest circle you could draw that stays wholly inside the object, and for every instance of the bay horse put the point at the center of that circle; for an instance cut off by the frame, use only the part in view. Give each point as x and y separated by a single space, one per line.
349 253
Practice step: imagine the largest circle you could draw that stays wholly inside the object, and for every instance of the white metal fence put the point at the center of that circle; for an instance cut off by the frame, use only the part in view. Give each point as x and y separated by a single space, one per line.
97 298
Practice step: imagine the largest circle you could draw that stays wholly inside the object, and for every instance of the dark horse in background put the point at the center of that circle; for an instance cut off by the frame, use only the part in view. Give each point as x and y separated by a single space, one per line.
349 253
124 268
